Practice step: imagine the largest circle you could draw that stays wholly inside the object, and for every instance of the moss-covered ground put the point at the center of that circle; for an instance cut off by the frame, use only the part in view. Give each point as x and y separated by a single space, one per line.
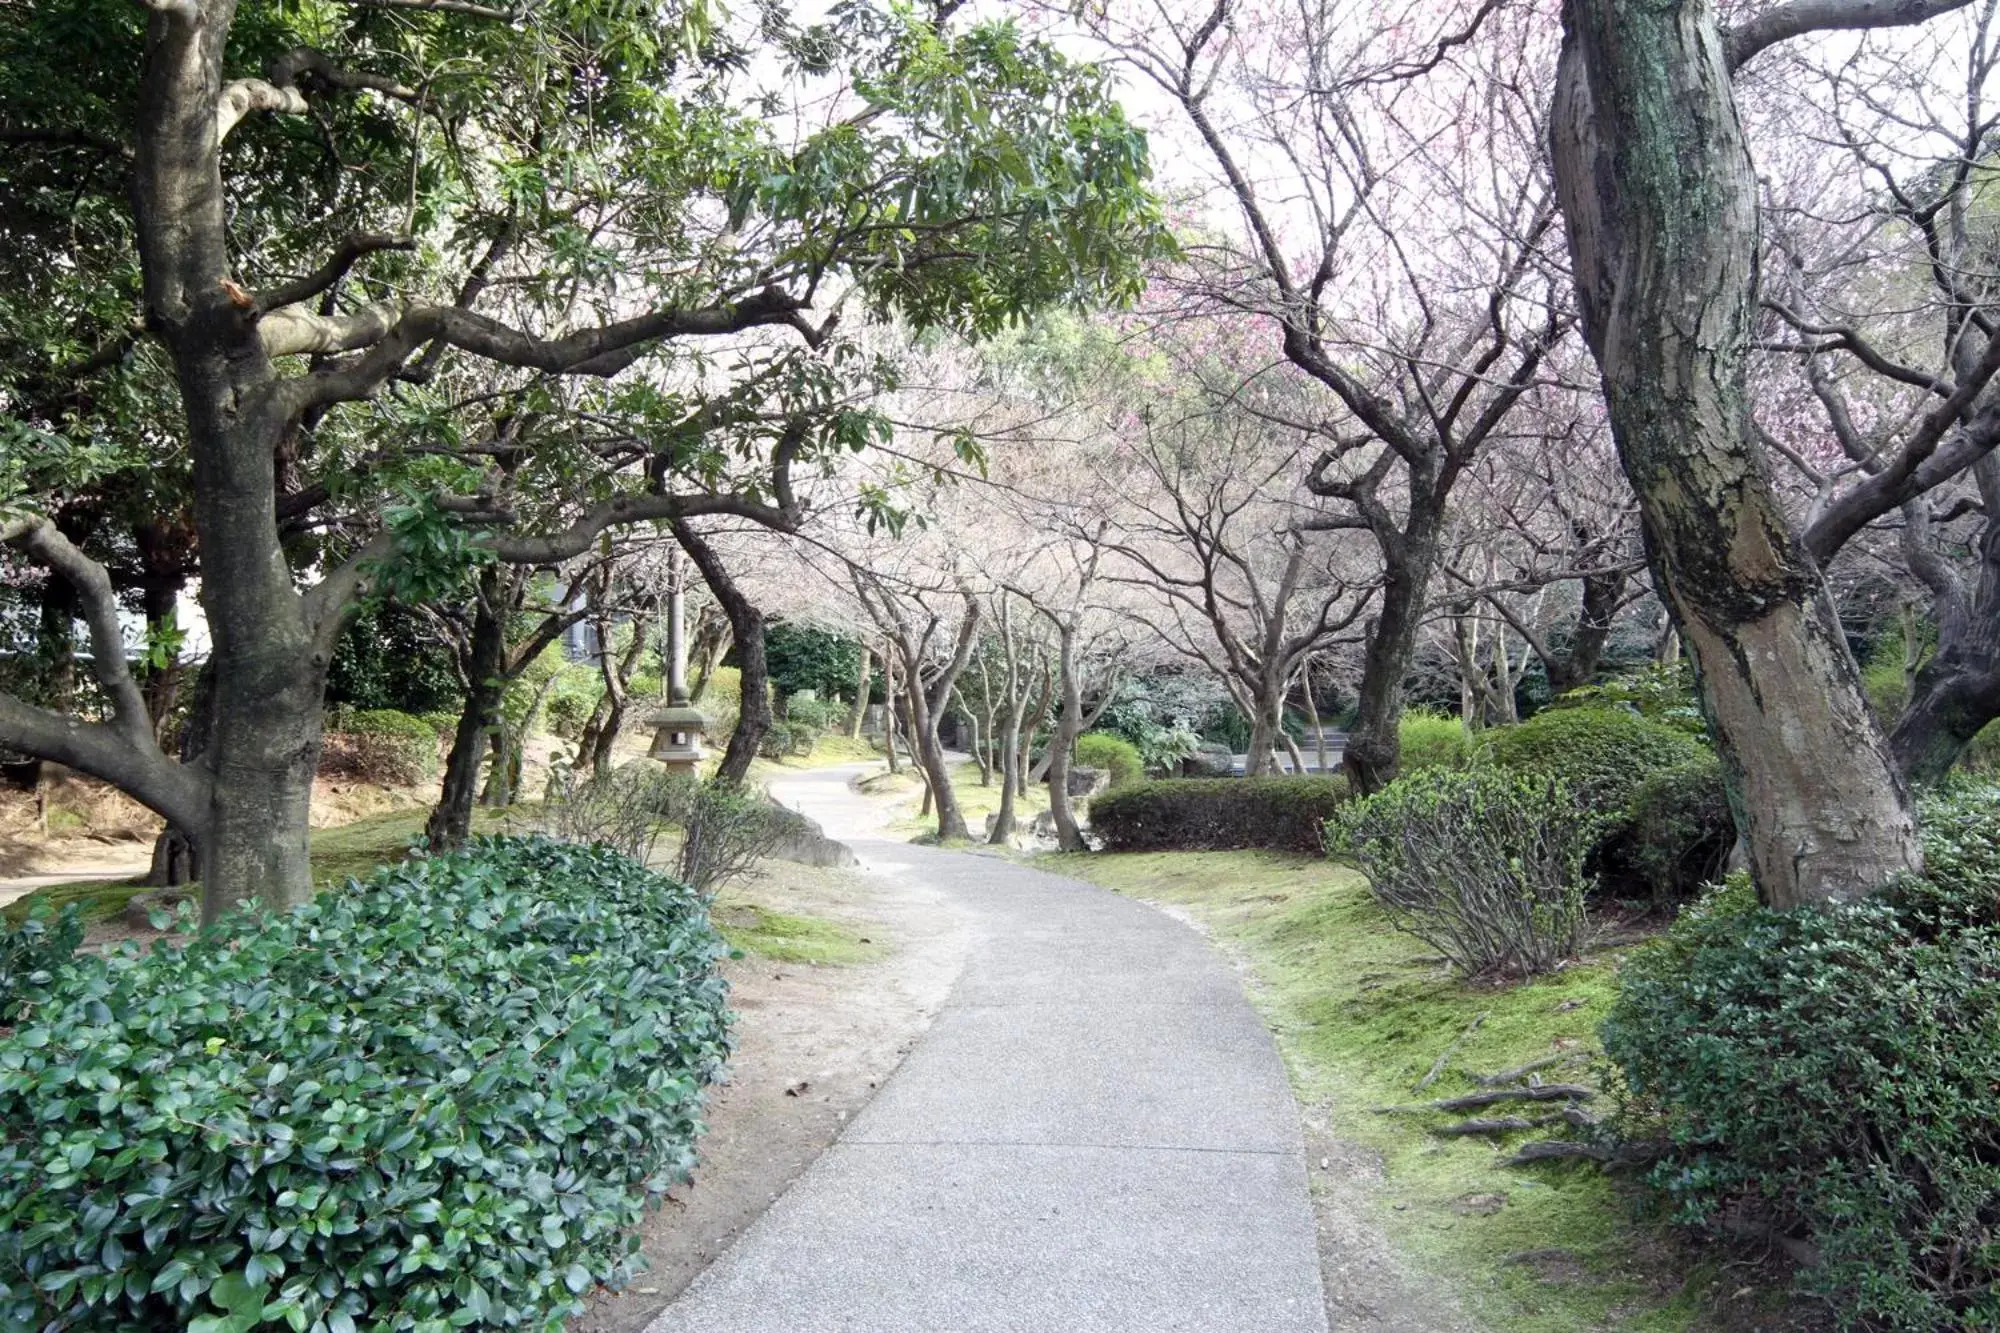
787 938
1362 1012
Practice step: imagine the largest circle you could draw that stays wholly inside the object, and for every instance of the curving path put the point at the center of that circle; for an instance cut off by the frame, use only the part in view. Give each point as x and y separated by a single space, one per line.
1095 1134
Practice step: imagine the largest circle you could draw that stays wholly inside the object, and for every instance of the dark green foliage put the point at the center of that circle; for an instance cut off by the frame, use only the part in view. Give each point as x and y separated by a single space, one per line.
1834 1072
390 657
1601 753
439 1098
786 739
1484 865
1114 755
1218 814
30 953
1677 833
802 657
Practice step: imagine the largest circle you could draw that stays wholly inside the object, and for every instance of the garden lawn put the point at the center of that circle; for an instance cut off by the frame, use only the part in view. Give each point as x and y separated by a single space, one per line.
1361 1013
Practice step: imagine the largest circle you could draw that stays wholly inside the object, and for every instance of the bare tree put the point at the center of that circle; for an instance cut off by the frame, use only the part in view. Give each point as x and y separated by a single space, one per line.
1336 137
1243 580
1902 373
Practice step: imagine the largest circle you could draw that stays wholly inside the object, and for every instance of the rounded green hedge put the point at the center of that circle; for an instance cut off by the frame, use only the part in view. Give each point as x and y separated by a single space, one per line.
1602 754
437 1099
1834 1073
1428 739
1677 833
1218 814
1115 755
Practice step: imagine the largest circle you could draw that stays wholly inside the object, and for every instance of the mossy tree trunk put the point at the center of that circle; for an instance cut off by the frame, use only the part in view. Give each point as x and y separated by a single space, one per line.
1657 188
1956 692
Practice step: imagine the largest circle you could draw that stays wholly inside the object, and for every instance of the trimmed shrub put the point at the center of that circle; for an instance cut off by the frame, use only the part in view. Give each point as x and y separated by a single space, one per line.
1217 814
808 710
1431 739
1484 865
1833 1073
30 953
1113 755
1600 754
1662 692
443 724
439 1098
787 740
1678 831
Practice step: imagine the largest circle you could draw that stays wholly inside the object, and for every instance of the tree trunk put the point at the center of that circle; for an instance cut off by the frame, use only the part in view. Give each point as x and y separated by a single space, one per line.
981 750
746 623
174 858
602 741
1956 694
485 670
1658 192
1602 595
257 843
1069 725
889 709
1312 718
1263 742
930 757
1010 784
1374 744
862 680
55 643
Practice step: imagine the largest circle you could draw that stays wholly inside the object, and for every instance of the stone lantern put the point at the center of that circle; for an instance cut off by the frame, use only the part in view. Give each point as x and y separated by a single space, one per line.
677 728
677 732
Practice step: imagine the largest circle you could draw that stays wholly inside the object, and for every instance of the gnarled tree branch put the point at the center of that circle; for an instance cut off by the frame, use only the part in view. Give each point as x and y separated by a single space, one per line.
1751 38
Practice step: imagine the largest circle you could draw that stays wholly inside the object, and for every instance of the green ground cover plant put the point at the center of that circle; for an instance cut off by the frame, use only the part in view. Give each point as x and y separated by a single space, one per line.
440 1098
1831 1075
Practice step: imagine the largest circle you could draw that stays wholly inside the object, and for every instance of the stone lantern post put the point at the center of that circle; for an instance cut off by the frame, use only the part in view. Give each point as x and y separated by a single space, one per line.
677 728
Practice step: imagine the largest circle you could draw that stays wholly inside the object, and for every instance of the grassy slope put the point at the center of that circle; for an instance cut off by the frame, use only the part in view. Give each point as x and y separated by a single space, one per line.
1361 1013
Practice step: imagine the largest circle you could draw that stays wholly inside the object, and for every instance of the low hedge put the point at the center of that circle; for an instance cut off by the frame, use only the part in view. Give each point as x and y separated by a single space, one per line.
1833 1074
380 745
437 1099
1218 814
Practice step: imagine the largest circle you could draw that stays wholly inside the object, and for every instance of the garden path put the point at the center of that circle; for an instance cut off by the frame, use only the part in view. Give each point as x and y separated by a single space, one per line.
1095 1134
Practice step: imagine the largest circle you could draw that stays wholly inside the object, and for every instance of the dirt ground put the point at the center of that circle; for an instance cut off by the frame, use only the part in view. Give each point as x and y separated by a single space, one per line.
813 1044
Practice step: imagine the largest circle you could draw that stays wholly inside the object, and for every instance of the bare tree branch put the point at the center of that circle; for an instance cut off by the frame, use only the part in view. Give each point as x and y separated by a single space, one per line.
1751 38
349 252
